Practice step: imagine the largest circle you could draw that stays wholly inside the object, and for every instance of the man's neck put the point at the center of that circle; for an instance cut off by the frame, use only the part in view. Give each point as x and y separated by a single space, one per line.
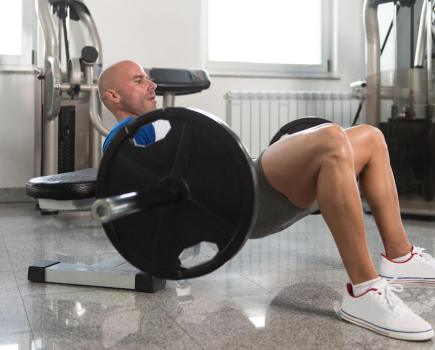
120 116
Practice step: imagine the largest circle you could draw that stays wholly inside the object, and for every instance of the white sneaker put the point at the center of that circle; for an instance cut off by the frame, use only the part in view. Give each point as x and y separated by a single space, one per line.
382 311
418 269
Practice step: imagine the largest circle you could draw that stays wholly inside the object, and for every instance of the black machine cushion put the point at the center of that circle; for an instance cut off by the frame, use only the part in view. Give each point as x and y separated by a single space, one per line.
75 185
179 81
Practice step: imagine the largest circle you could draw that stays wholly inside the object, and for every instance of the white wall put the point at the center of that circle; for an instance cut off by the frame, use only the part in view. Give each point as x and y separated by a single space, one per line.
162 33
17 106
167 33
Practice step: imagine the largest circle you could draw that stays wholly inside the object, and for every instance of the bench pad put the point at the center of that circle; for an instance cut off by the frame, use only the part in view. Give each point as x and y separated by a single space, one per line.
74 185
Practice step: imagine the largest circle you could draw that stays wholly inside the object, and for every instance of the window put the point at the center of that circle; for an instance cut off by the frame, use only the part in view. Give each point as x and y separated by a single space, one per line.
272 38
16 33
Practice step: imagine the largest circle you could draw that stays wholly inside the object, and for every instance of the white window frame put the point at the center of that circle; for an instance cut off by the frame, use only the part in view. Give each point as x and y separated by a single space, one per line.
25 61
323 70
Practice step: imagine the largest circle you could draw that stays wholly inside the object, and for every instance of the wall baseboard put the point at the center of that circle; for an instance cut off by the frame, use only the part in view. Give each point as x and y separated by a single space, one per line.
14 195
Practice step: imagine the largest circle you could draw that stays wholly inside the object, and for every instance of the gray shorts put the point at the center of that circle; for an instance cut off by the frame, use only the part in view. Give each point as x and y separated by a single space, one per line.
274 211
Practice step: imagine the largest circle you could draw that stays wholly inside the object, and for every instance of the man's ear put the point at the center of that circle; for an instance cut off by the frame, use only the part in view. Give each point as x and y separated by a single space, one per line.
112 95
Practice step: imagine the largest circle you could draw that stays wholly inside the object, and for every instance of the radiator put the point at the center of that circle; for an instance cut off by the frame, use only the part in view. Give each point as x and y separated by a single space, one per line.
257 115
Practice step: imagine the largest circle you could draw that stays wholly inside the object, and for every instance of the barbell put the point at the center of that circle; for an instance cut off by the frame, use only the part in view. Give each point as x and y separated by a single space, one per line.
194 188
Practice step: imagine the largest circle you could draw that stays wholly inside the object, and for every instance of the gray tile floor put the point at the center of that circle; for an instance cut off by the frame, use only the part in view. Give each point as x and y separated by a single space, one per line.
277 293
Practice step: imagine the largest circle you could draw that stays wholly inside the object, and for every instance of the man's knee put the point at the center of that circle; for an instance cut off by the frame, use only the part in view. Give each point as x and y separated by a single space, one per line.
374 137
334 142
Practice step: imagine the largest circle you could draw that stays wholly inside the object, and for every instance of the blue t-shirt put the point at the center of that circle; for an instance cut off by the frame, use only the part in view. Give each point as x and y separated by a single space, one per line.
146 135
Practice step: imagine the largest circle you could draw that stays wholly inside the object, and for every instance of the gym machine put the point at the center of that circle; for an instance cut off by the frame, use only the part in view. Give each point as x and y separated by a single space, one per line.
76 190
406 94
69 128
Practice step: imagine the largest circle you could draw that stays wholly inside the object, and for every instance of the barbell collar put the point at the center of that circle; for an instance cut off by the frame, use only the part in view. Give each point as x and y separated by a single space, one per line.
108 209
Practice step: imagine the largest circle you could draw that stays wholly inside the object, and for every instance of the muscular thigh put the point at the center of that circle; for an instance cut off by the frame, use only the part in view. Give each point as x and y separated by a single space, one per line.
291 165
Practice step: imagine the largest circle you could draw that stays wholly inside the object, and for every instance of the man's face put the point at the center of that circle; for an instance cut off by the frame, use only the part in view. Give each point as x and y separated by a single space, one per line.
136 90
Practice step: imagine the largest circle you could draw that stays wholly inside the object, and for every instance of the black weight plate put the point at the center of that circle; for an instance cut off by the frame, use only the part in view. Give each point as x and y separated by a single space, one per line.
298 125
204 154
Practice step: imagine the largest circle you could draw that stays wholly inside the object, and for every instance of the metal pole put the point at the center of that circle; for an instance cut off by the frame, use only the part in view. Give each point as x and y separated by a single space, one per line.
168 99
373 103
421 44
59 35
429 52
96 127
95 38
49 125
47 25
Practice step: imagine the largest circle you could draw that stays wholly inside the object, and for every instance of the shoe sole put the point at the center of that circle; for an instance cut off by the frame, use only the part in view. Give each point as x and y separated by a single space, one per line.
413 336
410 281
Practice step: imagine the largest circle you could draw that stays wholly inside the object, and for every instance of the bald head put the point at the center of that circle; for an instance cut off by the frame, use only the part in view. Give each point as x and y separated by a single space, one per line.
109 79
126 90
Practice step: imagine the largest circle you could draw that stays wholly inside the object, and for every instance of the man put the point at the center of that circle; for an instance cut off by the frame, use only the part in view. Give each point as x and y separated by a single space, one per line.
319 166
